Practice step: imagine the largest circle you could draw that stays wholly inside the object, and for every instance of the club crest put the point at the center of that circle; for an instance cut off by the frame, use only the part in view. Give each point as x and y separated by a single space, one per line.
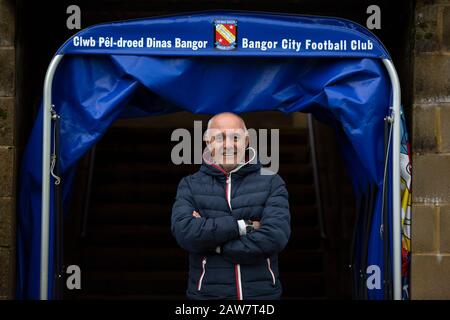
225 34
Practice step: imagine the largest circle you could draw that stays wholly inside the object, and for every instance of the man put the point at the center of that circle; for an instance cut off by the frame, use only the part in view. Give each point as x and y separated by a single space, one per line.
232 219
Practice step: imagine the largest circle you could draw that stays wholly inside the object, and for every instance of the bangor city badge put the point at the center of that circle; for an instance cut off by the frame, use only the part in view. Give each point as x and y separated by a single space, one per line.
225 34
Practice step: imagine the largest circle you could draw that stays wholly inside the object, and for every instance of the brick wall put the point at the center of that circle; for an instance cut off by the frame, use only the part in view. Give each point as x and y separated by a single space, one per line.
431 152
7 148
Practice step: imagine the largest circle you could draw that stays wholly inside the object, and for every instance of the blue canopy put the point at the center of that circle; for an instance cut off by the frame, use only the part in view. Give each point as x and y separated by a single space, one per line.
329 67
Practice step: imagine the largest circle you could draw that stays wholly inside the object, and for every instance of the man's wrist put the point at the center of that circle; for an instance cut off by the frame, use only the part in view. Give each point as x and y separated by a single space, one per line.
249 227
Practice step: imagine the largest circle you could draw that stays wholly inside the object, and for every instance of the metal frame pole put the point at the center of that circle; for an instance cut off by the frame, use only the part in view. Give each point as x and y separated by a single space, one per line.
396 209
46 144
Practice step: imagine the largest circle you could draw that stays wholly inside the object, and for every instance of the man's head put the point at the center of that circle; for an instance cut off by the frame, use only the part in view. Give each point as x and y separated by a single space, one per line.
227 138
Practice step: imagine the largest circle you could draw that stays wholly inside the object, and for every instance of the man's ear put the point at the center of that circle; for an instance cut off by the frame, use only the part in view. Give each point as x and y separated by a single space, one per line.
207 139
247 140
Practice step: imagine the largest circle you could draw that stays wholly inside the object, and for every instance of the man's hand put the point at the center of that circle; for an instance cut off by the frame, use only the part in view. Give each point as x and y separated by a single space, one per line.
195 214
256 224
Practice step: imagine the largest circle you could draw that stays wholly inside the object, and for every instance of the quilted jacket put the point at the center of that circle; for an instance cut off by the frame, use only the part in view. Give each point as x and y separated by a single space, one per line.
223 262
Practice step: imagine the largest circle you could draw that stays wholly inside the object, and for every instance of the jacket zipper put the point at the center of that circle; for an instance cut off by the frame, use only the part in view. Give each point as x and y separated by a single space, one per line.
228 190
237 267
270 270
199 286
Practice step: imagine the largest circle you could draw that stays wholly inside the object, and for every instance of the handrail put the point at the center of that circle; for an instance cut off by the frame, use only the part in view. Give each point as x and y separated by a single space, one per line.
87 198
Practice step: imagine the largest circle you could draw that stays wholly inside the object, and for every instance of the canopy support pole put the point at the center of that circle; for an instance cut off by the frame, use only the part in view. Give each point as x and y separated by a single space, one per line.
396 209
46 144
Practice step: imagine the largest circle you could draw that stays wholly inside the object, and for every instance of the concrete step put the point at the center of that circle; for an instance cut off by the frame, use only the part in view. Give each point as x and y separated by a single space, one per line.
297 284
131 282
143 258
157 236
131 296
171 259
126 213
144 192
155 172
174 283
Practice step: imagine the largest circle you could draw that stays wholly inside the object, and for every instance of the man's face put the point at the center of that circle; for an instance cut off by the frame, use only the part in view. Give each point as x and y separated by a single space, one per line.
227 140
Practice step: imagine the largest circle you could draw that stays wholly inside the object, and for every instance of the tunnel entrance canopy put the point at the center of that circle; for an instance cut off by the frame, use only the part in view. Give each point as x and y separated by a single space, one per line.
206 63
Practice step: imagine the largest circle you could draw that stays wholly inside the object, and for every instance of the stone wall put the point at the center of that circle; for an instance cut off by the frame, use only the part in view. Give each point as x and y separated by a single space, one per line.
7 148
431 152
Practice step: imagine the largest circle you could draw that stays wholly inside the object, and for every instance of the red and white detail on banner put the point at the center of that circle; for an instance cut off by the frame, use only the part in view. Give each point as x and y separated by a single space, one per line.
225 34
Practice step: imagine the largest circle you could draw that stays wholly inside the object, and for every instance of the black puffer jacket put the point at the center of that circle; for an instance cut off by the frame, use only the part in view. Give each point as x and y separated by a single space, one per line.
247 265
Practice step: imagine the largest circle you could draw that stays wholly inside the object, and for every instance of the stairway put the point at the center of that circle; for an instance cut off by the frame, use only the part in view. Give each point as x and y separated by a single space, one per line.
129 252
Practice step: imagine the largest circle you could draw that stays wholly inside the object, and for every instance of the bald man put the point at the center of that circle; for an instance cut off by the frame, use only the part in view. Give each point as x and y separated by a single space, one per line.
232 219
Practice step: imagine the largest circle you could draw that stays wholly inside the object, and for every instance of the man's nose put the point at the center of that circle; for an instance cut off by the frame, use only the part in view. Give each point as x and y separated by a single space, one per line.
229 143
